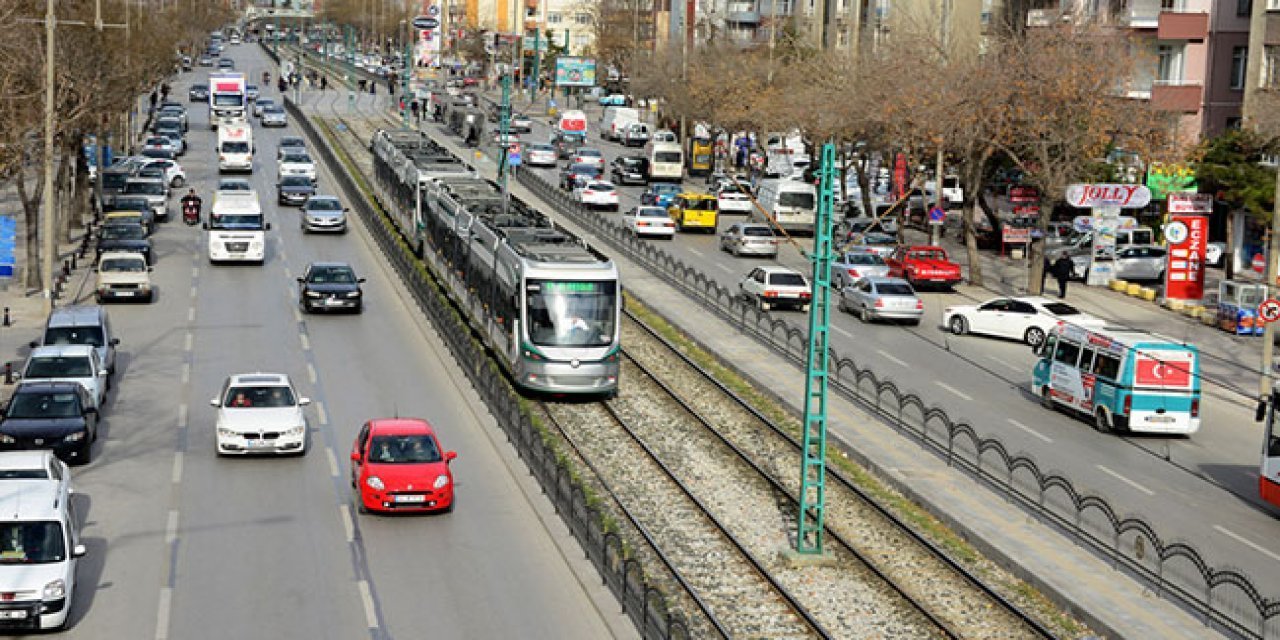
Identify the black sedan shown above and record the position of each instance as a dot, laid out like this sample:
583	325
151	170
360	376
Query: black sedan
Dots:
198	93
294	190
50	415
574	171
124	237
629	170
330	286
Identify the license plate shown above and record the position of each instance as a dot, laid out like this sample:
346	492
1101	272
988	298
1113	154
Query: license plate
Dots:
1161	419
16	614
411	498
124	294
333	302
256	444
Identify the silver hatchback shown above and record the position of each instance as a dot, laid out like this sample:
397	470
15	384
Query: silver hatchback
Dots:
747	238
880	298
1140	263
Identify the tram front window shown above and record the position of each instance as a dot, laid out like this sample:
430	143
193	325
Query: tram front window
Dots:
571	314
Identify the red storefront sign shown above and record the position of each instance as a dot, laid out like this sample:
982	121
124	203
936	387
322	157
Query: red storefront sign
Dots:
1188	239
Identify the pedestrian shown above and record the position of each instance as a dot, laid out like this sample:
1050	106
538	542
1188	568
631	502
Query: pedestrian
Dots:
373	88
417	113
1062	268
324	83
360	83
1044	273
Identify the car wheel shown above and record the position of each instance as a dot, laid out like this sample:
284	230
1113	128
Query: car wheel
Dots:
1034	336
864	314
1046	399
98	297
1101	421
959	326
86	450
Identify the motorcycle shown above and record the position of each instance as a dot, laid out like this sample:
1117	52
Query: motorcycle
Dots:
191	213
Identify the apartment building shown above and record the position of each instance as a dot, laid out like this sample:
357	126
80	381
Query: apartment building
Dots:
1263	69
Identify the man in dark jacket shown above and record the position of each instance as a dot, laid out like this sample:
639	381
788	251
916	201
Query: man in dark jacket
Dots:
1062	268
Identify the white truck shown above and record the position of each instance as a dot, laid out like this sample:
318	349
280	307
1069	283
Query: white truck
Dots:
237	228
228	98
235	147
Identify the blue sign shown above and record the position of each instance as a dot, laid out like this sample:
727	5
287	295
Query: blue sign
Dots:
937	215
8	242
513	158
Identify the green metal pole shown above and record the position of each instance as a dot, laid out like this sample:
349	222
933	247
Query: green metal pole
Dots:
275	32
504	124
813	465
537	60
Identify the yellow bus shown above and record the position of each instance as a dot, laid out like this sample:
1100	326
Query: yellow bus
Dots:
695	211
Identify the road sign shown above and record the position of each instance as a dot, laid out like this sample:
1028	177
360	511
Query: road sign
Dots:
433	10
425	22
1269	310
937	215
1259	262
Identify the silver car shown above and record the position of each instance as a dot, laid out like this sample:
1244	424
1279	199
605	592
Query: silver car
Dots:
274	116
1140	263
324	213
881	244
881	298
851	266
747	238
155	190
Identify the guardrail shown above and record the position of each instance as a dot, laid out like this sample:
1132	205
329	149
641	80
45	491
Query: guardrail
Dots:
645	604
1225	598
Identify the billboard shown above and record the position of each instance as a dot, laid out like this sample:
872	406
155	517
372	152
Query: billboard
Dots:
575	72
1188	239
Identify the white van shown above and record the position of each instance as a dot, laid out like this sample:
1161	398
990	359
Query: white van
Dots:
237	228
792	204
615	120
235	147
39	543
666	162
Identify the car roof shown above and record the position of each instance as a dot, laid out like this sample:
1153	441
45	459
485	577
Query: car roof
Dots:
120	255
778	269
47	386
885	280
259	378
31	499
76	316
330	265
31	459
399	426
62	350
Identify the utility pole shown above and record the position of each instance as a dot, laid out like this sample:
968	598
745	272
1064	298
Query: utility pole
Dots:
504	125
686	44
773	36
1269	333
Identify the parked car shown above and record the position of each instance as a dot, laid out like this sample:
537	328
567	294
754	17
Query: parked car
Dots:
749	238
168	170
851	266
259	413
155	190
775	287
647	221
923	264
160	143
174	111
206	61
882	298
1028	319
629	170
50	415
1140	263
124	237
397	464
123	276
330	286
77	363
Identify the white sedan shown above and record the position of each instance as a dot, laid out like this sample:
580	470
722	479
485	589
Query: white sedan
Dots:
1028	319
730	200
596	194
649	221
260	413
297	164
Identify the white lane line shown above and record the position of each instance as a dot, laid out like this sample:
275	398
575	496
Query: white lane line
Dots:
306	342
324	417
367	598
186	372
1030	430
171	529
1125	480
193	291
841	331
195	272
890	357
695	252
297	315
348	526
311	372
177	467
182	416
288	275
1246	542
188	341
1006	363
333	461
724	268
162	614
191	315
954	390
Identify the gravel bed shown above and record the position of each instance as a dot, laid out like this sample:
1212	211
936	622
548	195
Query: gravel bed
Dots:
743	601
967	610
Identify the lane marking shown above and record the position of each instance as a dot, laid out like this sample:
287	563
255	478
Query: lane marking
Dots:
954	390
1246	542
188	342
177	467
348	526
1005	363
1125	480
195	272
306	342
288	275
162	614
182	416
171	529
841	331
311	372
191	315
890	357
186	372
297	315
367	597
333	461
1030	430
695	252
193	291
320	413
724	268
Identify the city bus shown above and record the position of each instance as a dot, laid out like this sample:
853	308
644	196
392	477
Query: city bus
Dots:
1269	469
1124	381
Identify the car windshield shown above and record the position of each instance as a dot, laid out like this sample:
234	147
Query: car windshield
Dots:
928	254
651	212
265	102
878	238
58	367
129	204
292	142
246	221
571	314
36	405
590	153
406	449
273	109
584	169
235	147
701	204
32	542
296	158
894	289
787	279
114	180
542	147
123	232
295	181
323	204
151	172
91	336
227	100
800	200
331	275
198	88
146	188
234	185
666	156
1061	309
600	186
122	265
267	397
863	258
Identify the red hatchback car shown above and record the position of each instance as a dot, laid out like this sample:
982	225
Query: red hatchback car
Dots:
397	464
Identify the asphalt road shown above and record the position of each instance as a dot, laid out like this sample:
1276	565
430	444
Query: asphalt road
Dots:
183	544
1200	488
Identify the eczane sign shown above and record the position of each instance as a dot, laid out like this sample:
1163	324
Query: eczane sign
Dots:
1124	196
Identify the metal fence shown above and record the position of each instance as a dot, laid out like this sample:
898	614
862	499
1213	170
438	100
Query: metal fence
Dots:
1225	598
640	599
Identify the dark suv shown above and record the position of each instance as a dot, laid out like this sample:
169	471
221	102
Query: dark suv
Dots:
50	415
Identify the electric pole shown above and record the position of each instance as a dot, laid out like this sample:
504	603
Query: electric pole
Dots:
1273	262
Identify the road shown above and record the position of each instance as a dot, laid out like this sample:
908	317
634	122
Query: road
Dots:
1200	488
183	544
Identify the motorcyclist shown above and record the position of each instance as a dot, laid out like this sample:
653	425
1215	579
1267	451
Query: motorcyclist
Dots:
191	203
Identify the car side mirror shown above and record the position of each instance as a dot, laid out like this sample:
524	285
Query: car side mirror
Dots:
102	373
114	342
355	457
78	551
346	209
360	280
33	344
204	225
300	279
150	269
450	456
304	401
267	227
1260	412
213	402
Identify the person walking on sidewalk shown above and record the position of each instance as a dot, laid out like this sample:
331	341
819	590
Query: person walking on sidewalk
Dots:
1062	269
324	83
417	111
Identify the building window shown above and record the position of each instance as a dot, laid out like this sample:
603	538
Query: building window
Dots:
1273	5
1169	64
582	18
1270	78
1171	5
1244	7
1233	123
1239	58
554	18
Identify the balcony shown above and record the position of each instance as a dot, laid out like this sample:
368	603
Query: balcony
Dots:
1140	14
1173	25
1182	98
742	13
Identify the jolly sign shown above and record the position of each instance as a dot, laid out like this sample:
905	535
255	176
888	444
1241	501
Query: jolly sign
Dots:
1124	196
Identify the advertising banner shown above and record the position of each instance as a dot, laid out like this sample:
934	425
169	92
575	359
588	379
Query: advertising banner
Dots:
575	72
1187	202
1188	239
1124	196
1105	221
